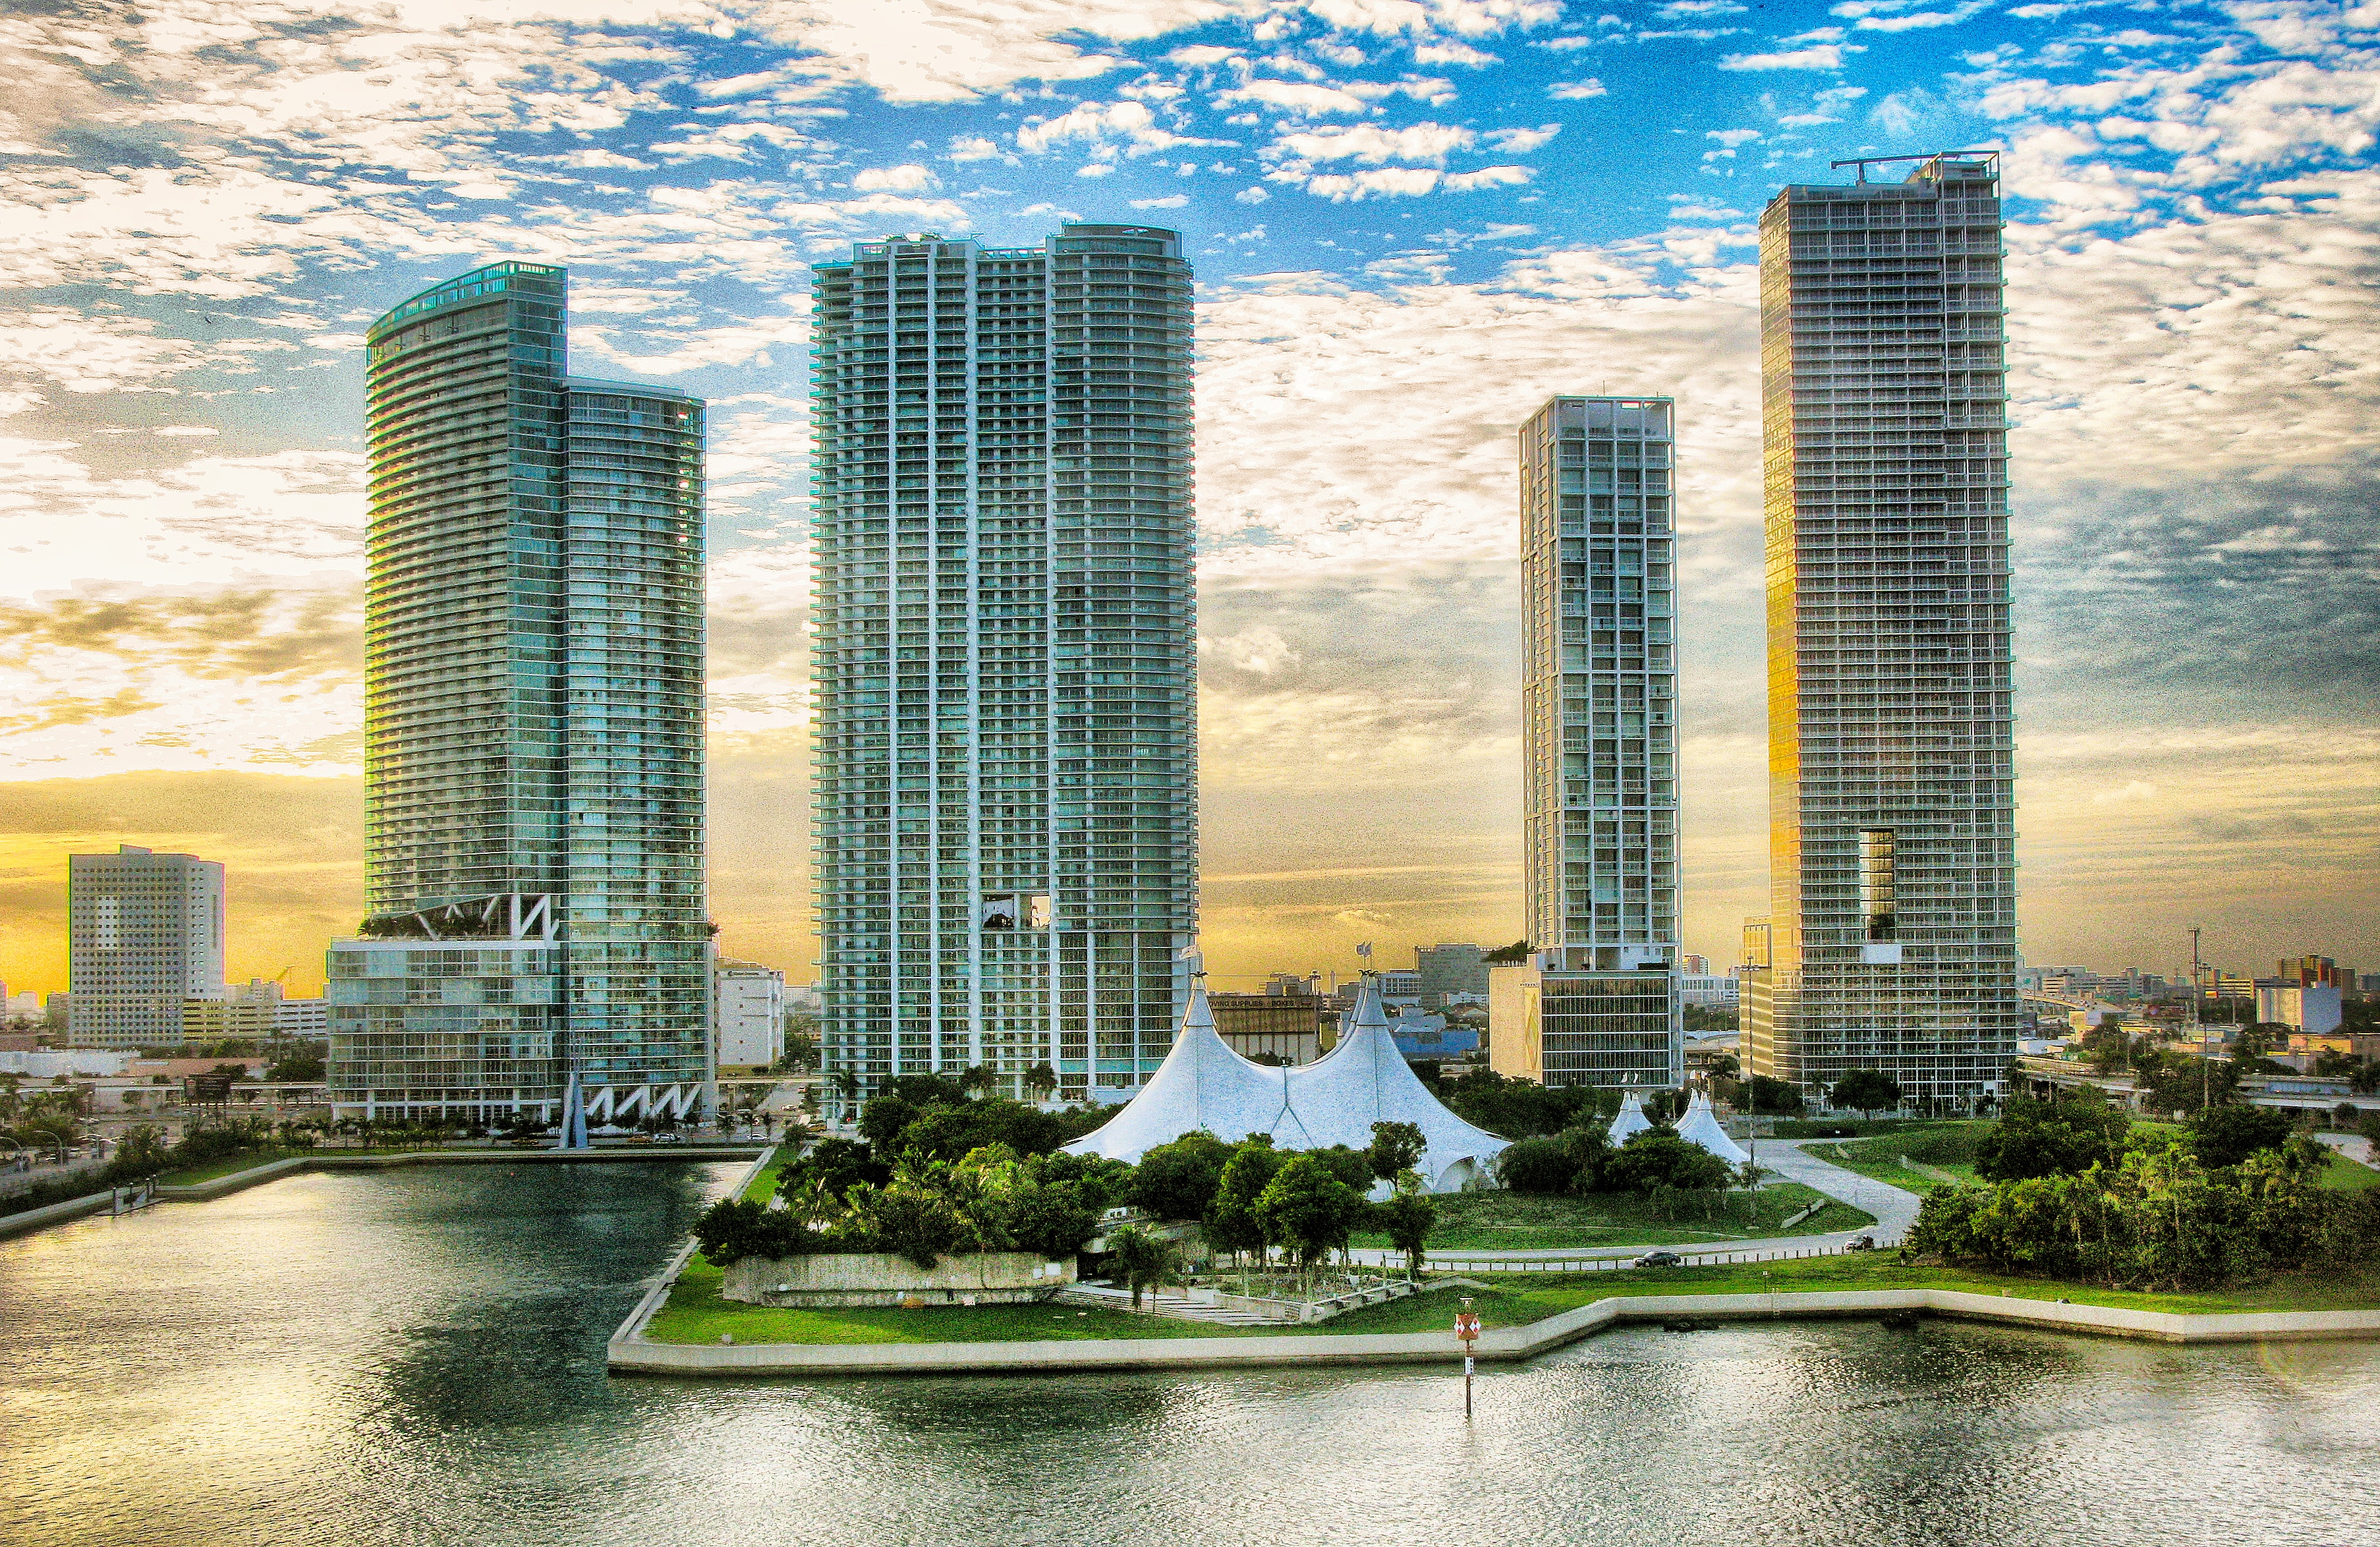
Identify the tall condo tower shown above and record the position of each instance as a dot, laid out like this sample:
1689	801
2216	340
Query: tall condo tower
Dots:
1006	761
1891	941
144	932
533	723
1598	1002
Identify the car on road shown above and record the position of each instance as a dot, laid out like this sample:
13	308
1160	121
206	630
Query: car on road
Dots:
1658	1259
1860	1243
668	1138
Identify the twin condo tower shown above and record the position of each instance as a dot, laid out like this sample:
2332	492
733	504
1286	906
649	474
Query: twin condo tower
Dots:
1004	779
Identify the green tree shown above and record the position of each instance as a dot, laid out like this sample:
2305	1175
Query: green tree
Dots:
1233	1221
1308	1212
1657	1164
1396	1149
1042	1080
2228	1135
1178	1180
1507	956
304	1067
1773	1098
2051	1138
1865	1090
1589	1147
1407	1216
1144	1259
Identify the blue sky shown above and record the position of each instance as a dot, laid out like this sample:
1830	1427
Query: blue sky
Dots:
1413	219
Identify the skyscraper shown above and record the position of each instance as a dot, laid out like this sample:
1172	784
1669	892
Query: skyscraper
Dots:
1598	1002
1007	813
533	724
144	932
1890	941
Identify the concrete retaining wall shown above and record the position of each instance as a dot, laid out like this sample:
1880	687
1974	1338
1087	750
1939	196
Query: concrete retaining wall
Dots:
834	1279
26	1220
631	1354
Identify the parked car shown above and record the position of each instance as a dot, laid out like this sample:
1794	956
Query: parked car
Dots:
1660	1260
1860	1243
668	1138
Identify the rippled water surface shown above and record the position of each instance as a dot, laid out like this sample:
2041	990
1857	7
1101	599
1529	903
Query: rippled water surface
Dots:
417	1359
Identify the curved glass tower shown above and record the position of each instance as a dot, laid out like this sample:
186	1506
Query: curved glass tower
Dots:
1006	764
533	724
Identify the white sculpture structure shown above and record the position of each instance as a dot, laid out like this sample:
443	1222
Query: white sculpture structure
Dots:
1334	1100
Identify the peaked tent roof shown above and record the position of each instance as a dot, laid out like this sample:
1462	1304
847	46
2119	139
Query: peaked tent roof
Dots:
1700	1126
1632	1119
1334	1100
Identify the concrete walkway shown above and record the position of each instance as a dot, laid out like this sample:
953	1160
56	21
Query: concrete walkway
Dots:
2354	1146
1894	1210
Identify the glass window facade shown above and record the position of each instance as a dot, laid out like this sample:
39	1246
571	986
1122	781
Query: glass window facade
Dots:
1891	934
1598	568
534	715
1006	813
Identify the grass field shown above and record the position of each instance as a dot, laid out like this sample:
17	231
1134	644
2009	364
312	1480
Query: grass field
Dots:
1496	1221
2349	1176
1947	1148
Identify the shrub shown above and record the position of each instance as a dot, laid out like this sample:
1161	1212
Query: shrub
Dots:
1540	1165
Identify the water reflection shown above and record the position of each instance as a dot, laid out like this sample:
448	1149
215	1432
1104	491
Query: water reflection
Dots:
417	1359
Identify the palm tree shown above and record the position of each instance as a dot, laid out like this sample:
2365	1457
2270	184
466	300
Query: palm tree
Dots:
1145	1260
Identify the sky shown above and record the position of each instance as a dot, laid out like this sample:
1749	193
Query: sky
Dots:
1413	221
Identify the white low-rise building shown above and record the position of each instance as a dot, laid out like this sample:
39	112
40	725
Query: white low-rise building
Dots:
747	1014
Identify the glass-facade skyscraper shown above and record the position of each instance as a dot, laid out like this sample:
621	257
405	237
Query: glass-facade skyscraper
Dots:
1006	818
1597	1003
1890	941
533	724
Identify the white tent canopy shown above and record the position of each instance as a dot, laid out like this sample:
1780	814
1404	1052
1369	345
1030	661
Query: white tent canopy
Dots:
1631	1120
1700	1126
1334	1100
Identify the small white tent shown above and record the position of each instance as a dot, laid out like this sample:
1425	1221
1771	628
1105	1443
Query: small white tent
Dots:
1700	1126
1334	1100
1630	1121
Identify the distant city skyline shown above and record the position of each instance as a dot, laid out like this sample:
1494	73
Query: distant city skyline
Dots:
1409	233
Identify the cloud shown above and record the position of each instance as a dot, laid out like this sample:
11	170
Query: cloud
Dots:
1574	91
1171	201
896	179
1373	143
1819	56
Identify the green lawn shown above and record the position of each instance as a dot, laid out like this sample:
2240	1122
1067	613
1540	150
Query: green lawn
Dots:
1944	1147
1498	1221
2349	1175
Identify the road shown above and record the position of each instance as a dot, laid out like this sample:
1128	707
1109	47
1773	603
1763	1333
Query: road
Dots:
1894	1210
